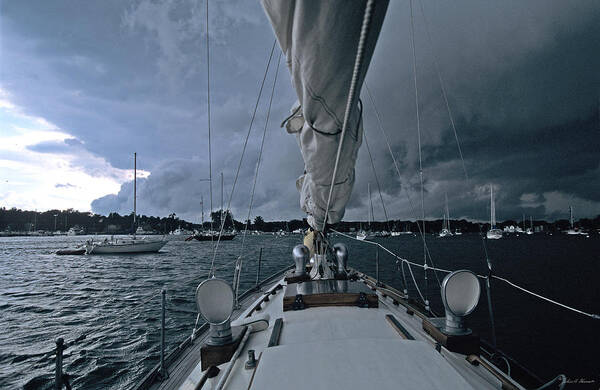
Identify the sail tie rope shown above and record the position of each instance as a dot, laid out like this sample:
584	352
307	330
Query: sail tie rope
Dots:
358	62
591	315
237	173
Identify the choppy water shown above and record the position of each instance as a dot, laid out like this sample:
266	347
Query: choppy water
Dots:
115	301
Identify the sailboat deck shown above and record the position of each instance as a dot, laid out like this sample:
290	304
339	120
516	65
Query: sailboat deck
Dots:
347	347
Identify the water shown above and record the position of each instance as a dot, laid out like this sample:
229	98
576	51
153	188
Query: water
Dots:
115	300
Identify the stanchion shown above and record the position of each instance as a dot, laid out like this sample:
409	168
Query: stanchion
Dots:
60	343
163	370
258	269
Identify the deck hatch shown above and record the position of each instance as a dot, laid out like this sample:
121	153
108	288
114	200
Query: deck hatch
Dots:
275	333
398	327
319	293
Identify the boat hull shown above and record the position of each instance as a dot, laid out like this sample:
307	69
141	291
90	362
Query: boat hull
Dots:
494	234
445	233
209	237
125	247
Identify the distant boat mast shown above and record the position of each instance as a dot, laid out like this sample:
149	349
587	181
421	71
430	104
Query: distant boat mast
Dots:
371	216
134	189
571	216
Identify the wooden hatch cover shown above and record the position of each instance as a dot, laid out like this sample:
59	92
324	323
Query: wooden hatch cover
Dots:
319	293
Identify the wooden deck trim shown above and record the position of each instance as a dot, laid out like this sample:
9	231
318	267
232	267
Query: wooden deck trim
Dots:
476	360
396	295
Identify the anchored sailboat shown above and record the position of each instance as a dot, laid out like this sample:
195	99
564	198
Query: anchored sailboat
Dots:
211	235
131	244
573	231
529	230
446	232
493	233
362	234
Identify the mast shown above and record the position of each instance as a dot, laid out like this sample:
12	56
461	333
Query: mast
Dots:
492	208
447	214
222	211
371	209
571	216
531	222
208	111
134	189
202	207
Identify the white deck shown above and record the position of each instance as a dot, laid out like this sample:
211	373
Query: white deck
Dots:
347	348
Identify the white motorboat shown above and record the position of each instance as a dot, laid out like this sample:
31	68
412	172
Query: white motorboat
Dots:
75	231
361	235
406	231
181	232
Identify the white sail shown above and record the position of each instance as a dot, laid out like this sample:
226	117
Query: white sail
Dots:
319	40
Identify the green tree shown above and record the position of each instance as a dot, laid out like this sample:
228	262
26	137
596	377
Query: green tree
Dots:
259	223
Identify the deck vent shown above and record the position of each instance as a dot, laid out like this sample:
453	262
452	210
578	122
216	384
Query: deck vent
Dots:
301	255
460	295
214	298
341	254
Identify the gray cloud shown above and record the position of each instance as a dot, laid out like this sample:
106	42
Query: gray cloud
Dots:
521	78
67	145
65	185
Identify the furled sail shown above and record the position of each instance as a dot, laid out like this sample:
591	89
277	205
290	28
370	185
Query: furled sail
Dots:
320	39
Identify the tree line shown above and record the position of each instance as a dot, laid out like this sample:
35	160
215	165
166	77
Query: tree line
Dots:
16	220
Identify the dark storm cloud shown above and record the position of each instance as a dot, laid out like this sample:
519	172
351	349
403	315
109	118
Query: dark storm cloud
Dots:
521	79
526	109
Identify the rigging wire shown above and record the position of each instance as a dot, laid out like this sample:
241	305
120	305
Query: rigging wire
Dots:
358	62
412	37
443	90
387	220
237	173
514	285
238	270
208	109
467	184
450	116
410	202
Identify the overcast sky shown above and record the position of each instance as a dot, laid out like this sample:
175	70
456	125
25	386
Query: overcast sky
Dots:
85	84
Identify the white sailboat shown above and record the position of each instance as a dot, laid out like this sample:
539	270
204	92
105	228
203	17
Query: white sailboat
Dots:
493	233
573	231
131	244
446	232
529	230
363	235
